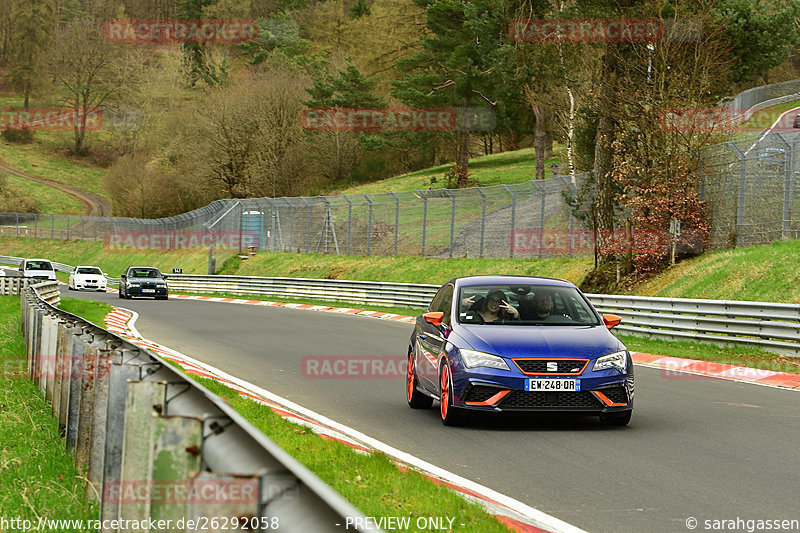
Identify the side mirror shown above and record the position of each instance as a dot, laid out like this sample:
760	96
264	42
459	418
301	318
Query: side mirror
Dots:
122	276
164	276
611	320
434	317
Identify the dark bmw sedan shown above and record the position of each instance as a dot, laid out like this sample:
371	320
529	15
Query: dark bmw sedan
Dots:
143	281
518	344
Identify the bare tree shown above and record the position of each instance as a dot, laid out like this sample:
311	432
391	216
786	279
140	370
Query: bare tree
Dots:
82	62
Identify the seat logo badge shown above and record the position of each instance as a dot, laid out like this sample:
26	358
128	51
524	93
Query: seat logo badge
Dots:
552	366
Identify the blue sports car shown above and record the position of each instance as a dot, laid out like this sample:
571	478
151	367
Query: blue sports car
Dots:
517	343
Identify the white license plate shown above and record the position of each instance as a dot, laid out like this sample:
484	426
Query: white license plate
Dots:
148	290
553	385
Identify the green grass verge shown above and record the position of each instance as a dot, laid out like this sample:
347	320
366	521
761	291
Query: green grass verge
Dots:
94	312
46	156
504	168
111	260
406	269
372	483
50	199
766	273
38	477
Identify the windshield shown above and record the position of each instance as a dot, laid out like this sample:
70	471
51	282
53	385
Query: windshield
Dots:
523	305
38	265
89	270
144	273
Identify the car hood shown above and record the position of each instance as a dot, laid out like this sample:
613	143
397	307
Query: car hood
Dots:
541	341
89	276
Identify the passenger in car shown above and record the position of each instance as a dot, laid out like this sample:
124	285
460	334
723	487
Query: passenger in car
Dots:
494	308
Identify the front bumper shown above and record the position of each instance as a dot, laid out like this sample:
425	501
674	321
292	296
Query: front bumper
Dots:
483	390
149	292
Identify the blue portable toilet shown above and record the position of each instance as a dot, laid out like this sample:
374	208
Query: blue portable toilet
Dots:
253	229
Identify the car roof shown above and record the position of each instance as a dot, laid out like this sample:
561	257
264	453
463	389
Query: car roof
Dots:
87	266
502	279
37	259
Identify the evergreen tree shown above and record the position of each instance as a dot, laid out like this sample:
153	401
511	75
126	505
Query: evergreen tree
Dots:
33	24
458	64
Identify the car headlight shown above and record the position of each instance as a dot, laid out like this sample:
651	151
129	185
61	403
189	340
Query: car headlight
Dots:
474	359
133	284
161	285
618	360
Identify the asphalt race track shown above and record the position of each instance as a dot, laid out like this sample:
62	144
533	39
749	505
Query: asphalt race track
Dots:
696	447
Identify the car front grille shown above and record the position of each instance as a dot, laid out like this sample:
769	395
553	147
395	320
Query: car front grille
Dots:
518	399
480	393
539	366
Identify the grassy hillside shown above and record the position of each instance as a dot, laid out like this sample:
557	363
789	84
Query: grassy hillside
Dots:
758	273
495	169
47	156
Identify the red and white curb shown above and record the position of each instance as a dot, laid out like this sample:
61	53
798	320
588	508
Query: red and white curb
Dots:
309	307
516	515
675	367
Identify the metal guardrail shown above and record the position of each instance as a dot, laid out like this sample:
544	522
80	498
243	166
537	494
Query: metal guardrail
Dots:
360	292
769	326
157	445
12	286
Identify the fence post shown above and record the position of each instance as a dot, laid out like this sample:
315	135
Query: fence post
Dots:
349	220
483	218
35	225
369	224
52	226
452	217
513	216
740	198
788	166
308	223
17	215
396	219
424	217
68	228
541	219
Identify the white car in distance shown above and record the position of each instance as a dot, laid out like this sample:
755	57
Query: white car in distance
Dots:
38	269
87	278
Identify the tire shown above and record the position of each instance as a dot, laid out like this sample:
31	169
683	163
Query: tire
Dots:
616	419
416	400
450	415
121	296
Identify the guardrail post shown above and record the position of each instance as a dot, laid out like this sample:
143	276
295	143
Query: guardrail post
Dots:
144	401
121	373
